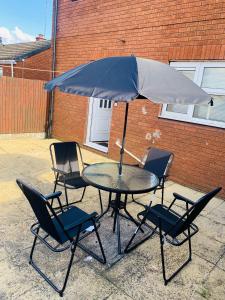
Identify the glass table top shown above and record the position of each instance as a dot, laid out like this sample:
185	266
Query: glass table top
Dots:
133	180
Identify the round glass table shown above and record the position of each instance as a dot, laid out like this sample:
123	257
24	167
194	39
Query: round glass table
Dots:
133	180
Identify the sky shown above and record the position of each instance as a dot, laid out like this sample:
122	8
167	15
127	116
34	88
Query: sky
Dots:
23	20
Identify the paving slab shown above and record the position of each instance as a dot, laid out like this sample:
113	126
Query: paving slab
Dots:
213	286
141	278
137	275
221	260
213	229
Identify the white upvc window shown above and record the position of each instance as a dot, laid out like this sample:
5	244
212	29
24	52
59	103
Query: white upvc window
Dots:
1	71
210	76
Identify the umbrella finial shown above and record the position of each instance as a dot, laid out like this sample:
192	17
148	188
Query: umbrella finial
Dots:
211	102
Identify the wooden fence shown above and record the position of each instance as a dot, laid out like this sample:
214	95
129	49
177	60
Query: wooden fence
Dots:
23	106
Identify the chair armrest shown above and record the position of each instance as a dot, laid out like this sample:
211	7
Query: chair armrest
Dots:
53	195
80	221
182	198
59	171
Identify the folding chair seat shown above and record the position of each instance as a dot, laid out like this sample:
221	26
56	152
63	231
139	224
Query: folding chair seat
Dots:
65	229
168	218
171	226
65	158
67	218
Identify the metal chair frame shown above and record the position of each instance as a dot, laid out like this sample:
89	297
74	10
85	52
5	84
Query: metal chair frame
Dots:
183	226
72	243
62	177
162	178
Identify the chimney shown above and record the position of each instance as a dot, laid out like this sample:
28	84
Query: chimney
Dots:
40	37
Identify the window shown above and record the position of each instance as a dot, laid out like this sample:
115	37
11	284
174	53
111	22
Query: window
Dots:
211	77
1	71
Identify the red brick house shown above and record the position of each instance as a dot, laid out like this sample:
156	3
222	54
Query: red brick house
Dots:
31	60
189	35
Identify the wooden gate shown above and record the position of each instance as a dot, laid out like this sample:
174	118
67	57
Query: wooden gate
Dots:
23	106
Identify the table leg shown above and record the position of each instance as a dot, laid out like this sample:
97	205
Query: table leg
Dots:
107	209
114	220
118	234
117	221
129	215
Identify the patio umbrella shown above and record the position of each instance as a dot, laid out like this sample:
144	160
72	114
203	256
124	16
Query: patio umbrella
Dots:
125	78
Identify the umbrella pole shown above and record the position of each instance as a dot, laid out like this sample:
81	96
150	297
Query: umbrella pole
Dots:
123	140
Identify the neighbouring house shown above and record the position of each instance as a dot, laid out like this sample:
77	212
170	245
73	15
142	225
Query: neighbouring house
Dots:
189	35
31	60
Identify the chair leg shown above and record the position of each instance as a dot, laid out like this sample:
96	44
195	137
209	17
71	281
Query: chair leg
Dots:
82	196
162	187
55	185
162	256
66	195
166	280
139	203
100	259
67	200
73	248
189	245
100	243
33	246
60	204
128	248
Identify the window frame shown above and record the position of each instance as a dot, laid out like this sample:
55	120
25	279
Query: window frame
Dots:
199	69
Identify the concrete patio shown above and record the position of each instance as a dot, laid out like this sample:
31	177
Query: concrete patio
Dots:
134	276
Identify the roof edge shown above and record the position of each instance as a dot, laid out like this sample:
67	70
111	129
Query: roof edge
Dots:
32	53
7	61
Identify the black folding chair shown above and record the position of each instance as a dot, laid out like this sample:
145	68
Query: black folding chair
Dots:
65	164
172	227
158	161
66	228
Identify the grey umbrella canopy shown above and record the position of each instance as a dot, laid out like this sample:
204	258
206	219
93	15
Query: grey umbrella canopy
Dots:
128	77
125	78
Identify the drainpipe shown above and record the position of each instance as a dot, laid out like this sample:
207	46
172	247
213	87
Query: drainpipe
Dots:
51	106
12	69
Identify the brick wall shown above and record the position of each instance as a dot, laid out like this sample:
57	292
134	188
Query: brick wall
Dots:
41	61
162	30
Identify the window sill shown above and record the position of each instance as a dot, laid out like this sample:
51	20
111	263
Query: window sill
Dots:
97	147
195	121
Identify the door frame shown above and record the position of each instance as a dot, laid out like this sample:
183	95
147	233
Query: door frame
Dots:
90	115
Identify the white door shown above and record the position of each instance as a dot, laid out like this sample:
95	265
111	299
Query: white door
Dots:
100	120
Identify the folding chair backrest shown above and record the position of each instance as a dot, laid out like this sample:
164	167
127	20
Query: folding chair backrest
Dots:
158	161
195	210
38	204
65	156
